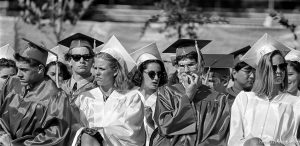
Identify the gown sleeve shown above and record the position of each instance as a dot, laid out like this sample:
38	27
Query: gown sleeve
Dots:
56	124
174	113
237	137
128	130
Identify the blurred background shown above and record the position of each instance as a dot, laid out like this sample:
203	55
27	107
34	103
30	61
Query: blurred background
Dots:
231	24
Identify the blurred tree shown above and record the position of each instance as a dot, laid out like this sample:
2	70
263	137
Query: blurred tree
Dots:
182	17
53	13
284	22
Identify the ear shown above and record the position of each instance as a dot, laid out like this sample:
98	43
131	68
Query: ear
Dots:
234	72
41	69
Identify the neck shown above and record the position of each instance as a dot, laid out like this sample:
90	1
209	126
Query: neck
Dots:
276	91
106	88
237	86
78	77
146	91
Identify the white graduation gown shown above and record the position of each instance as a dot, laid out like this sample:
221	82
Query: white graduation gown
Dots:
276	120
118	119
150	102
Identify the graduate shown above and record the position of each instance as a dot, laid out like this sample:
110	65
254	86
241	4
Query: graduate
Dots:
242	74
217	68
149	75
112	108
33	111
189	113
268	114
293	68
80	58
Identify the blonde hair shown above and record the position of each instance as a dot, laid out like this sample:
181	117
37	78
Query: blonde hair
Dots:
264	78
121	80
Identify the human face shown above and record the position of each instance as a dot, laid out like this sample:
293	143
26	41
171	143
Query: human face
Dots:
293	79
27	74
151	76
6	72
187	67
52	73
279	74
219	82
81	66
244	77
104	74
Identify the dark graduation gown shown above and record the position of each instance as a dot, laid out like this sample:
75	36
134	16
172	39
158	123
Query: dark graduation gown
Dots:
40	116
202	122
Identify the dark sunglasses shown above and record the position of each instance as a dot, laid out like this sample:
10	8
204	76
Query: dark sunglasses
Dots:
281	66
152	74
85	57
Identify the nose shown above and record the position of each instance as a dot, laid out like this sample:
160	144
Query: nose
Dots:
19	74
186	68
81	60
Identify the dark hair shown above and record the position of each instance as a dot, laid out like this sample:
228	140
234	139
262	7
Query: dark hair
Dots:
6	63
137	74
63	68
30	61
295	65
239	66
69	54
191	55
264	81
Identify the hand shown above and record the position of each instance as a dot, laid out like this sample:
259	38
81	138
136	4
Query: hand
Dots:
148	115
5	140
87	140
191	83
255	141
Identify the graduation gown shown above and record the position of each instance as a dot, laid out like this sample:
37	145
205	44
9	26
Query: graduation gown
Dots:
202	122
119	119
83	85
150	102
276	120
35	116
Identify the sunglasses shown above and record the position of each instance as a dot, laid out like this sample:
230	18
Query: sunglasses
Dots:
85	57
152	74
281	66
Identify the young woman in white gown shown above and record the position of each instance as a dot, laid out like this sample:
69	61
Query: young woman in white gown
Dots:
113	109
268	115
149	75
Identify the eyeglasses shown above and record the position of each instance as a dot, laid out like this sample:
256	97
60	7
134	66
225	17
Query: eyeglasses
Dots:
182	67
248	71
281	66
152	74
85	57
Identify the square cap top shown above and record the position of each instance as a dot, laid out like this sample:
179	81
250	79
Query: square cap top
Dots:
293	55
241	51
264	45
80	40
218	60
114	48
7	52
148	52
35	51
185	46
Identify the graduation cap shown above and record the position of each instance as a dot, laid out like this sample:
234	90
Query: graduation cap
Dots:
59	52
241	51
264	45
149	52
293	55
7	52
185	46
218	63
238	54
114	47
35	51
80	40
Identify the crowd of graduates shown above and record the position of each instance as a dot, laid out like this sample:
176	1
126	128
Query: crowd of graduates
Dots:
101	95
